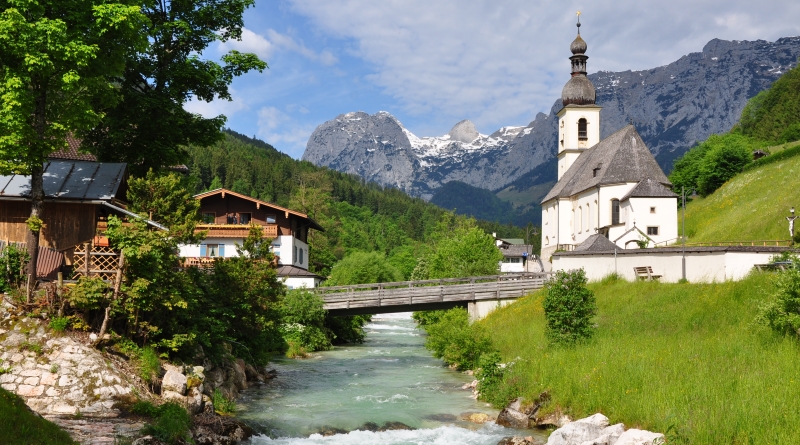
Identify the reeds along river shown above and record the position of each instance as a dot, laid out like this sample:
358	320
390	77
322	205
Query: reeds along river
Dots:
391	377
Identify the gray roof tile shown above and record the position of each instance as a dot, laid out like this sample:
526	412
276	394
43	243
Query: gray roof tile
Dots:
70	180
619	158
649	188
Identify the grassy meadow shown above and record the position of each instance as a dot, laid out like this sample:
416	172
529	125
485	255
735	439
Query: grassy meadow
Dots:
20	426
751	206
682	359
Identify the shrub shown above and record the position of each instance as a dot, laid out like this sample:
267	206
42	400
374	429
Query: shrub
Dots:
144	408
171	425
303	319
222	404
424	318
12	261
59	324
149	364
782	314
494	386
456	341
568	308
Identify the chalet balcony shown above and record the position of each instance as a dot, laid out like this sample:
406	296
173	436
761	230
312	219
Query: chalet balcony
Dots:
235	230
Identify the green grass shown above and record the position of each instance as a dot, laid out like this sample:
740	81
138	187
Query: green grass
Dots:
20	426
751	206
677	358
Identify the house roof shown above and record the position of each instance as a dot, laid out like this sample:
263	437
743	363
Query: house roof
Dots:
516	250
294	271
595	243
69	180
71	153
649	188
313	224
620	158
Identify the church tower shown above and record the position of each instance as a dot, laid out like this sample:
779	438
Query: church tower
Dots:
579	119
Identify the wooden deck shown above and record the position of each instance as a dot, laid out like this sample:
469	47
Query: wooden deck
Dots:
426	295
235	230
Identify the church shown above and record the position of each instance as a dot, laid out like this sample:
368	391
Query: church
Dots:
612	189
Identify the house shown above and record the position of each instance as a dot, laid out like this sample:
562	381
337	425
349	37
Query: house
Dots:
613	187
518	257
227	217
79	197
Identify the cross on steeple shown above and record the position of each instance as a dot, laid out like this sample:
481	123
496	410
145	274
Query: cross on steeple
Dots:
579	22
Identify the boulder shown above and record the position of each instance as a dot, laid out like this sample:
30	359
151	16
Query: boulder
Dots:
608	436
239	374
174	381
209	429
476	417
518	440
194	400
511	418
252	374
172	396
579	431
640	437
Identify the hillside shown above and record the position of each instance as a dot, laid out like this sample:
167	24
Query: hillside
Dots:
465	199
751	206
388	220
682	359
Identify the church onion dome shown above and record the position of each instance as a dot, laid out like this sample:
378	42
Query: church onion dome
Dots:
578	45
578	91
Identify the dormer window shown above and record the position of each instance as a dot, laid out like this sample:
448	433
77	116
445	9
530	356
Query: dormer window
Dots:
582	135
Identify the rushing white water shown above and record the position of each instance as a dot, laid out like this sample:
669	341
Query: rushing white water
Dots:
388	378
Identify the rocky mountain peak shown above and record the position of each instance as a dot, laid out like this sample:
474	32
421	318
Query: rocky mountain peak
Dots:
464	131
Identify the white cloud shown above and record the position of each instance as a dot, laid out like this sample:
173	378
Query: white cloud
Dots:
287	43
265	47
494	61
250	43
282	131
217	106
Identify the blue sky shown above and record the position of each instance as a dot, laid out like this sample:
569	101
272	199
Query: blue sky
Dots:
433	63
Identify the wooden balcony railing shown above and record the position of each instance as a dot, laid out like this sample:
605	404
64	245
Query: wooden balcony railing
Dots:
235	230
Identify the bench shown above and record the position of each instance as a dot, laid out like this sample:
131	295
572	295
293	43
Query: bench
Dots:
645	273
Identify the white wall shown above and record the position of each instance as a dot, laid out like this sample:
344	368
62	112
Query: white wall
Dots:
700	266
300	282
288	248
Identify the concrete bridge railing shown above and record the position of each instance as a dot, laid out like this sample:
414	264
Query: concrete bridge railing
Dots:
479	294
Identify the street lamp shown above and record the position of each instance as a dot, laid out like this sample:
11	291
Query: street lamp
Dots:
683	257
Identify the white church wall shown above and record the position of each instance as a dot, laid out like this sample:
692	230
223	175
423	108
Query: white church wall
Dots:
661	213
714	266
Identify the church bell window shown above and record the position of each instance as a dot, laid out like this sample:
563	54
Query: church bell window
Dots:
582	135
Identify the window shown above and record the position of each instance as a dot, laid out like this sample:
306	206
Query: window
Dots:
295	253
652	210
582	135
270	219
212	250
512	260
209	218
652	230
300	259
614	211
244	218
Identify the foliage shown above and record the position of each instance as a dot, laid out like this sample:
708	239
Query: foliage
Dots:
495	385
782	313
568	308
89	293
774	114
21	426
59	324
166	198
150	127
424	318
171	424
774	157
144	408
363	267
713	162
222	404
149	364
665	354
12	263
459	248
303	321
456	341
479	203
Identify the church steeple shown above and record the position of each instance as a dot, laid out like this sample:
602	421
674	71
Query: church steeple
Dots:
579	90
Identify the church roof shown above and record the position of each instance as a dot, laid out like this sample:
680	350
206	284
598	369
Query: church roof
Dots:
649	188
620	158
595	243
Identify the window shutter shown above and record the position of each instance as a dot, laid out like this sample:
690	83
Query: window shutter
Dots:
221	250
203	250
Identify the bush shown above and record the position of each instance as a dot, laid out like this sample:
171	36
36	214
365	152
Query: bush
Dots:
568	308
494	384
59	324
713	162
222	404
363	267
424	318
171	425
456	341
303	321
782	314
12	262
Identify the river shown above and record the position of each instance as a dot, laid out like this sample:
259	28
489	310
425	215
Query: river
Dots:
391	377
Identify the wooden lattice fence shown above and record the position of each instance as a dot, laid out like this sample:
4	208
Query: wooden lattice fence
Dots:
95	261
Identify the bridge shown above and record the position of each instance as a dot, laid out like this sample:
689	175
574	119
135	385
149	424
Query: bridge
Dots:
479	294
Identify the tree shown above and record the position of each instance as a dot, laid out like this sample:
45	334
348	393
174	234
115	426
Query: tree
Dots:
568	308
56	59
461	249
150	127
782	314
167	199
362	268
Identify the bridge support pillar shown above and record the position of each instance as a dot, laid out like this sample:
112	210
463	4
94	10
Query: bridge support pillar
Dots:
480	309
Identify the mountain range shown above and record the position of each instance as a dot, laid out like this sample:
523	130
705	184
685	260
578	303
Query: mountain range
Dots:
672	106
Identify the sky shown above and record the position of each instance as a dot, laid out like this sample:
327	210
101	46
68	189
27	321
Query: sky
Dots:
432	63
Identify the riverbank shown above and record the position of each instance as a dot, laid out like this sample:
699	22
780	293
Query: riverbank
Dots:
684	359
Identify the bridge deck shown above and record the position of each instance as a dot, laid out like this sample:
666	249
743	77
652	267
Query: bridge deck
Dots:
426	295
